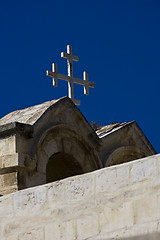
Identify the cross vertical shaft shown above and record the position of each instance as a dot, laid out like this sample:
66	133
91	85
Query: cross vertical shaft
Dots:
70	58
70	79
70	73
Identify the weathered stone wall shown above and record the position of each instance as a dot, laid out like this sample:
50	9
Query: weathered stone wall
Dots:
119	202
27	146
8	157
8	145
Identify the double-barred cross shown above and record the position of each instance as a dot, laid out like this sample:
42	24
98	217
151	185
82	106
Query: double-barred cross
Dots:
70	79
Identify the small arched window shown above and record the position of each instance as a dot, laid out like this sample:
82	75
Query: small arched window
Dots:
62	165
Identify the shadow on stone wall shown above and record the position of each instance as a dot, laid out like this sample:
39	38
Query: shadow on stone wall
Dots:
153	236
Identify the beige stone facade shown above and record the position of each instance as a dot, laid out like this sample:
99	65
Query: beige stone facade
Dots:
119	202
75	183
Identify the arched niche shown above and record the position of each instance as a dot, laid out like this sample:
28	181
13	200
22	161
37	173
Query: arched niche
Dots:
123	154
62	165
61	144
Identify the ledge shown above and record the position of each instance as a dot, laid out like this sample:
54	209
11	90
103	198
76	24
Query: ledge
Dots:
16	128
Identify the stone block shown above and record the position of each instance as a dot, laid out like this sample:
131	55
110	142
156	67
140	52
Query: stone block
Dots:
143	169
12	160
15	226
146	231
122	176
143	229
11	237
112	179
60	231
118	217
7	190
8	179
147	208
79	188
157	159
87	226
6	207
8	145
67	211
9	160
103	179
56	193
34	234
30	201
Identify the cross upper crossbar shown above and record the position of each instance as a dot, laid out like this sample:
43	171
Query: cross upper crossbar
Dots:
70	79
69	55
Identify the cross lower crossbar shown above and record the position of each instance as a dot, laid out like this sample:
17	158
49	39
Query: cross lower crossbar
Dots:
69	79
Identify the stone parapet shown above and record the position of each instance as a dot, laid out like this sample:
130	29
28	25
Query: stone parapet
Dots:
119	202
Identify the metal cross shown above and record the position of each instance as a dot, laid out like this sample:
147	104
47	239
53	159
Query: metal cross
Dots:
71	80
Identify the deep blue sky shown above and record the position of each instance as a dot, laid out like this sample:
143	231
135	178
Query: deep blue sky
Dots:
118	43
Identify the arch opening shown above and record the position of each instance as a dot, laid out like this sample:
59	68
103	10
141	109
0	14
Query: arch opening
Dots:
62	165
123	155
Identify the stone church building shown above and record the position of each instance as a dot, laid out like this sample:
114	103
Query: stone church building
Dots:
61	179
53	141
